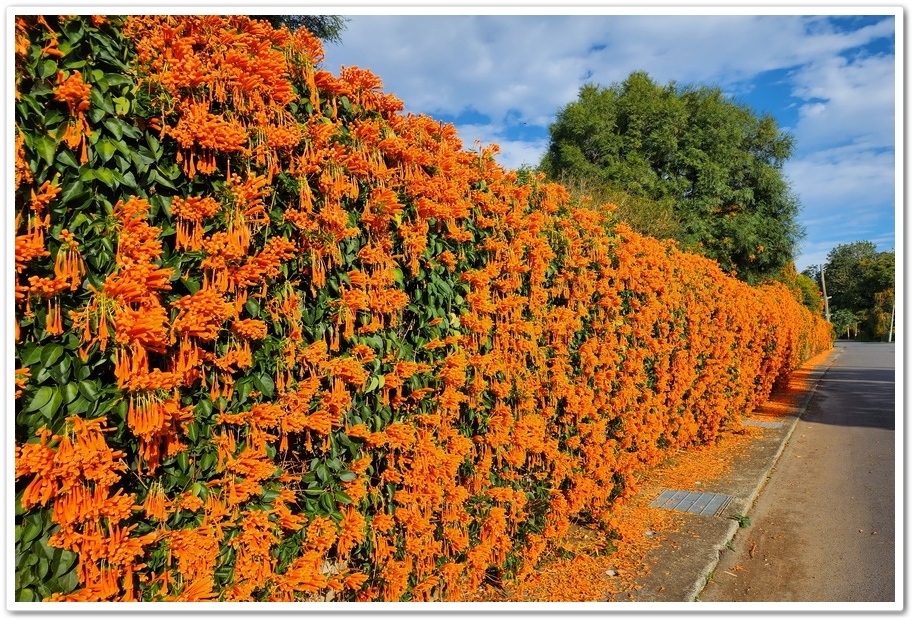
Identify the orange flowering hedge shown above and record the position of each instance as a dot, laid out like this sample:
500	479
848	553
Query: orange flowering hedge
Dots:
274	337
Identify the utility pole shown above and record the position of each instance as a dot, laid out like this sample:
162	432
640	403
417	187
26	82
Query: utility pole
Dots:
890	334
826	298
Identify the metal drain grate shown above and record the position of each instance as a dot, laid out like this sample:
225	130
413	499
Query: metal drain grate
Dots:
709	504
765	424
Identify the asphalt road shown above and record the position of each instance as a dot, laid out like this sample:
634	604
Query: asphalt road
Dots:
823	527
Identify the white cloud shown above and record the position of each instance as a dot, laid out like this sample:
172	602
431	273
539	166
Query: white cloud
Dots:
843	178
855	101
847	193
536	63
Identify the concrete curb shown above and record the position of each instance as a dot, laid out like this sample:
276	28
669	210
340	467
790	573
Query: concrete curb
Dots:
817	374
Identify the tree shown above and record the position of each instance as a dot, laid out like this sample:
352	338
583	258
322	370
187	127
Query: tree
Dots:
810	294
806	291
803	288
854	273
844	323
877	323
712	159
326	27
861	280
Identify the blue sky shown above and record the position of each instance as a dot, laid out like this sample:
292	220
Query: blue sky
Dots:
827	77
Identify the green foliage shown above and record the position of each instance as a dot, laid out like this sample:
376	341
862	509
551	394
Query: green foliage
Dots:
122	160
804	288
845	323
743	520
878	319
810	294
713	161
860	279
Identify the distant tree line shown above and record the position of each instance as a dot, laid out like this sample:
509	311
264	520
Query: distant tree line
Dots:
860	284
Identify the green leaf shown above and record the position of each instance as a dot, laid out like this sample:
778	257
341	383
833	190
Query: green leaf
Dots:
68	583
45	148
205	407
32	355
61	371
347	476
99	101
160	178
64	561
206	462
122	105
193	431
24	575
42	397
66	158
74	30
43	568
70	392
153	143
191	284
89	390
50	408
106	176
51	353
243	387
117	80
31	532
265	384
342	497
127	179
115	126
54	118
106	149
47	69
78	406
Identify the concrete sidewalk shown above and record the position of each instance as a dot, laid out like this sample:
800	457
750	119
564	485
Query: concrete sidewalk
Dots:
681	566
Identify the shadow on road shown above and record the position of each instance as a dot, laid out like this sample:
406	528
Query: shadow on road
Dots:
848	396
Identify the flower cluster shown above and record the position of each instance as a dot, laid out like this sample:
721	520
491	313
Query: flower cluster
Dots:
366	363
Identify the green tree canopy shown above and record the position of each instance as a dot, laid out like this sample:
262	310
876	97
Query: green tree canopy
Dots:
325	27
860	279
854	273
717	163
845	323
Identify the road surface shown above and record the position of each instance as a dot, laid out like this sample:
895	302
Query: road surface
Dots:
823	527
